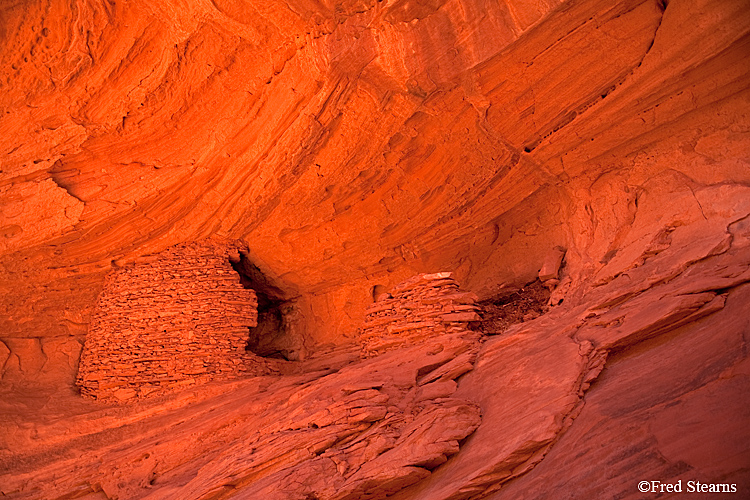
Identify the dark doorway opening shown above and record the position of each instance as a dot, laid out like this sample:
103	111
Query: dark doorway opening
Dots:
268	338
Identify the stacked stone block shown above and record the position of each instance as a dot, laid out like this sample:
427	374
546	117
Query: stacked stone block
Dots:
420	307
174	319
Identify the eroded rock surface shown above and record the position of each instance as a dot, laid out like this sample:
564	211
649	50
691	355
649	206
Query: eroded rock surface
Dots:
340	430
352	145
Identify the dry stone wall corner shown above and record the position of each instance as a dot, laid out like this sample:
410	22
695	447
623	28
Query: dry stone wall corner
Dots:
169	320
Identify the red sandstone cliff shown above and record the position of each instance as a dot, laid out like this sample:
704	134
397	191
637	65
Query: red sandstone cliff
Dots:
353	145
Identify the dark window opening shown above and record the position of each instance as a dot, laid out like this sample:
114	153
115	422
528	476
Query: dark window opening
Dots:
268	339
379	292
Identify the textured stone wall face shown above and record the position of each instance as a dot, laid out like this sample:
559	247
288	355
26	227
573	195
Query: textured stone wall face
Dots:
174	319
418	308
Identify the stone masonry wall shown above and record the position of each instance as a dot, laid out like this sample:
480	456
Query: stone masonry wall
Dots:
170	320
420	307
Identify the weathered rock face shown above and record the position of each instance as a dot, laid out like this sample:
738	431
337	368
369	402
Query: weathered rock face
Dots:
340	430
353	145
170	320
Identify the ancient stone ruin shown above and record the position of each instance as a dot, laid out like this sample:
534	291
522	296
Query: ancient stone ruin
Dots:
169	320
420	307
582	166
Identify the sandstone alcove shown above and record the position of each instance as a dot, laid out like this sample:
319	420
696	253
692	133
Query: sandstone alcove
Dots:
514	306
390	169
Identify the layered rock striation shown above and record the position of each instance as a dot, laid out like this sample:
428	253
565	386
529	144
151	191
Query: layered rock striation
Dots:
170	320
361	143
336	428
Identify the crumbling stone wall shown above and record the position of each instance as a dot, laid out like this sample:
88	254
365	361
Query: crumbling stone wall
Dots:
169	320
420	307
